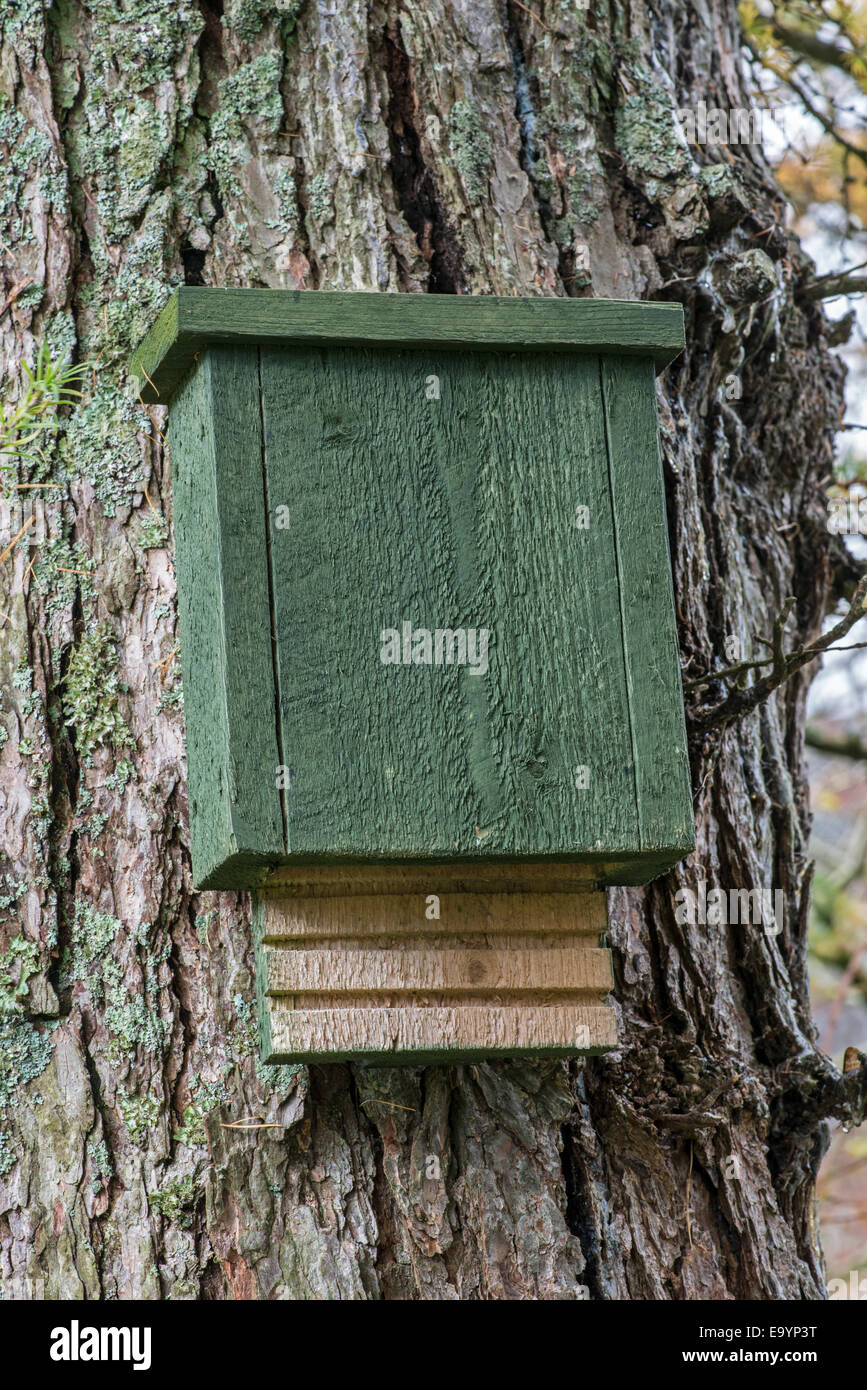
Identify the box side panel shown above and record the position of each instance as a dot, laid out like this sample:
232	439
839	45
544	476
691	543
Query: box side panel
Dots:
649	626
224	611
443	492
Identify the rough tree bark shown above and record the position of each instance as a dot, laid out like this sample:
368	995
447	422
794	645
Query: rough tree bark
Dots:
470	146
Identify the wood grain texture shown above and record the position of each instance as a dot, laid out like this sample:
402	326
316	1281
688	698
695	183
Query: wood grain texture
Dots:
407	1036
478	876
196	316
399	908
452	513
552	1178
220	541
374	978
429	970
658	728
333	498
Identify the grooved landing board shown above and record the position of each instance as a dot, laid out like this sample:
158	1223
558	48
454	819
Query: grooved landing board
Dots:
430	1035
376	979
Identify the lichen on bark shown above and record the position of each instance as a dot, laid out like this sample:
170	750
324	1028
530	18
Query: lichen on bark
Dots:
472	148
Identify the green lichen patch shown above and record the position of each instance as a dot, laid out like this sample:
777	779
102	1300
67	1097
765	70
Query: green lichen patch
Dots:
286	192
8	1157
718	179
141	39
645	133
321	203
245	1043
19	964
129	1021
23	25
135	294
205	1096
11	889
100	1162
92	936
471	148
153	531
203	924
140	1114
29	165
32	297
176	1200
118	779
25	1052
171	696
88	959
40	817
61	570
248	17
251	93
101	444
145	137
91	689
122	136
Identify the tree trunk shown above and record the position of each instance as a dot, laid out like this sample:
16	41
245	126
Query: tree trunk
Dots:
469	147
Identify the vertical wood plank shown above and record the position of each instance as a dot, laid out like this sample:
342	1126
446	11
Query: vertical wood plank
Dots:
223	605
647	600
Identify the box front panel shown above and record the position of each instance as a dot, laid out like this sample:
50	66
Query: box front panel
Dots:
446	610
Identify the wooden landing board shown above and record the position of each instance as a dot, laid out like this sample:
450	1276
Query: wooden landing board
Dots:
377	979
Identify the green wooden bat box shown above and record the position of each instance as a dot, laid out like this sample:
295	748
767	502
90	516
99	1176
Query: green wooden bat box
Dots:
426	610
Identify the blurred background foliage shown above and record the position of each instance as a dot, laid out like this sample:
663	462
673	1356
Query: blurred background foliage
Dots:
809	61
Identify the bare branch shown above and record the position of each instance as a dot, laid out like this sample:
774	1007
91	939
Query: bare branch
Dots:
743	700
840	745
830	286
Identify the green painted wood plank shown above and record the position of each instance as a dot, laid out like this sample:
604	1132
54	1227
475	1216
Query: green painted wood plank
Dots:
198	315
223	606
647	598
451	513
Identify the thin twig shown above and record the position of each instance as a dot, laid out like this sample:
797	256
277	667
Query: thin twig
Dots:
744	699
533	15
16	538
164	666
13	294
374	1100
252	1124
155	388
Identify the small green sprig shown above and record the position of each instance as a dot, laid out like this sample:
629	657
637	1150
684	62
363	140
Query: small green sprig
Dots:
48	385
